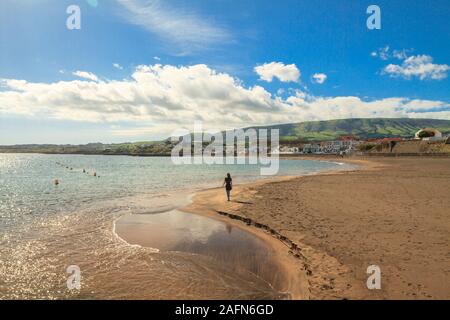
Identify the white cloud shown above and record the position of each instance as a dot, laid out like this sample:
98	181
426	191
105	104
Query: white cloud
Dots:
319	78
401	54
281	91
188	30
117	66
284	73
157	58
420	66
157	99
85	75
386	53
382	53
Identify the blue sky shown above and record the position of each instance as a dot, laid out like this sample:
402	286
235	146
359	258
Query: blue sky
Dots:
317	60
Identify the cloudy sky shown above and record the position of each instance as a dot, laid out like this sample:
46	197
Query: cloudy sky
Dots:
139	69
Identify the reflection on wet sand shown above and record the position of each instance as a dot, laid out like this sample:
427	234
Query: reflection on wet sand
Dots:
232	248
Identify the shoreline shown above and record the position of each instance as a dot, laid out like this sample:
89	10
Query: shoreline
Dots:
286	252
312	156
323	270
292	280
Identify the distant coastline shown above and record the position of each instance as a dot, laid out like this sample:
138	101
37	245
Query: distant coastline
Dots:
292	136
308	136
99	149
87	153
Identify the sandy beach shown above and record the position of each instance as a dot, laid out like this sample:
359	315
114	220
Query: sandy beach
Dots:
390	212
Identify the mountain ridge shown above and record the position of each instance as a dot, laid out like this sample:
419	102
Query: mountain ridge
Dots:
290	133
363	128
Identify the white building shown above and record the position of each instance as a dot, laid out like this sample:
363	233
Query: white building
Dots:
428	134
312	148
337	146
333	146
289	150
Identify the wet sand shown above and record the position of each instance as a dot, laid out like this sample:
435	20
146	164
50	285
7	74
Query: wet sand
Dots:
226	247
392	212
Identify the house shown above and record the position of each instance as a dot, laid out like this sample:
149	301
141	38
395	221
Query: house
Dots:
335	146
289	150
342	144
348	138
312	148
389	140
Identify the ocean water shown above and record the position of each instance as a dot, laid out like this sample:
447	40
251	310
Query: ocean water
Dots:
44	228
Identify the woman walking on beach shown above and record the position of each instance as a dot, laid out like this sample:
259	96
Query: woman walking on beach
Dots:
228	183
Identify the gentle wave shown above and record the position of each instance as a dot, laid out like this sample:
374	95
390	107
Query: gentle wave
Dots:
48	227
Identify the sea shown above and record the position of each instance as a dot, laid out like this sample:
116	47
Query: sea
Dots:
47	229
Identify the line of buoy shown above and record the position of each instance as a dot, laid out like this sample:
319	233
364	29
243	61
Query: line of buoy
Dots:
56	181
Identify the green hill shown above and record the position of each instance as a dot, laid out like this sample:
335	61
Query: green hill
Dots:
363	128
289	133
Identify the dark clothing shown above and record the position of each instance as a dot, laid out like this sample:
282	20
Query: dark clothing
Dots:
228	182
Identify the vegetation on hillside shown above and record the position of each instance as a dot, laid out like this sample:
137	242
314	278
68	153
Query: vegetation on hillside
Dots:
289	134
362	128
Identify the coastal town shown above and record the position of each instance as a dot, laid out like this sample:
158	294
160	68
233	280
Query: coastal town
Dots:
426	140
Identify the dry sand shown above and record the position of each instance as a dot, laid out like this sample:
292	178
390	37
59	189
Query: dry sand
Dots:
393	212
